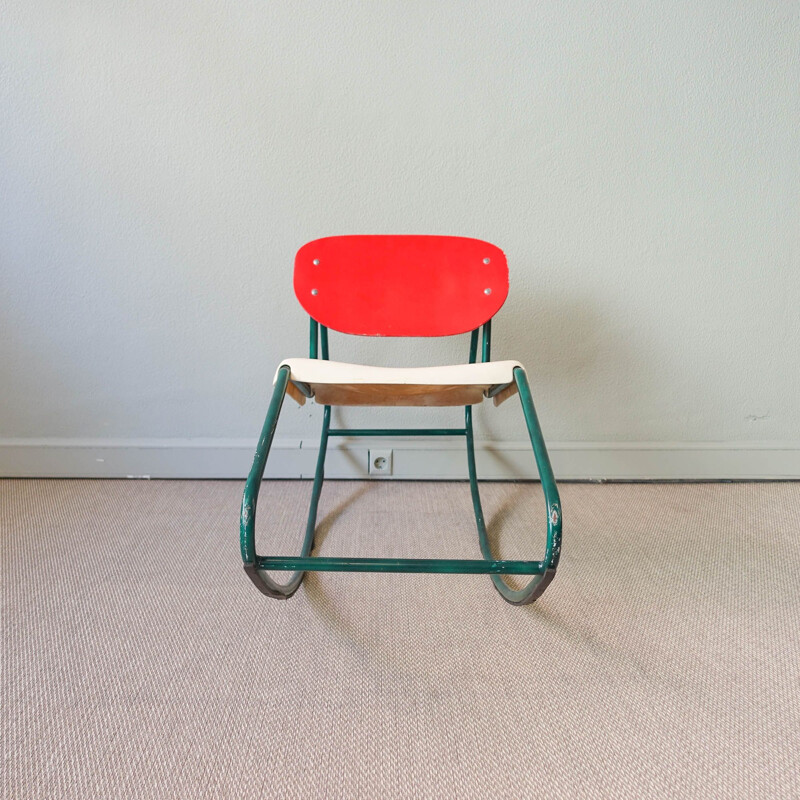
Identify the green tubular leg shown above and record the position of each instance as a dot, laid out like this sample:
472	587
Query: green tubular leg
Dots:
247	524
539	583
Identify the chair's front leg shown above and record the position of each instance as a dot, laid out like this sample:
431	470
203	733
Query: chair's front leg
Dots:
538	583
247	522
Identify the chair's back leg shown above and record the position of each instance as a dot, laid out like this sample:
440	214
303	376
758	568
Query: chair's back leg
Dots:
319	477
538	583
264	583
247	519
549	487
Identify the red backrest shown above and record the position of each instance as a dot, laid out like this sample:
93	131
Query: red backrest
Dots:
401	285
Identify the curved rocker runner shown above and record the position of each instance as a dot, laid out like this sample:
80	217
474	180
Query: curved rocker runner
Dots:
400	286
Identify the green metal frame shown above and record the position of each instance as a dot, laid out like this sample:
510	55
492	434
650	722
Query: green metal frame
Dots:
255	566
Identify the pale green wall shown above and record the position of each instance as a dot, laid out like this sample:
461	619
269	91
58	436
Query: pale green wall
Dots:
161	162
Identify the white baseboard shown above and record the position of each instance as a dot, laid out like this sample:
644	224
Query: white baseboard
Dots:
421	459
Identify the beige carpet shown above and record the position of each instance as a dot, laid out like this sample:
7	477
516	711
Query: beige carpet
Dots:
139	661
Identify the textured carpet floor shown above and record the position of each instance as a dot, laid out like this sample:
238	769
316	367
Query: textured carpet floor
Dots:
138	661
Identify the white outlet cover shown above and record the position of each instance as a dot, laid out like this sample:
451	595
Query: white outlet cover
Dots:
380	462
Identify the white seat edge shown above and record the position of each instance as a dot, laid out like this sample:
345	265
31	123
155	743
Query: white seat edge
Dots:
315	370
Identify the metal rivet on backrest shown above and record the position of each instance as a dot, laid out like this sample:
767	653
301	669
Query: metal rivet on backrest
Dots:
487	260
315	262
314	291
487	291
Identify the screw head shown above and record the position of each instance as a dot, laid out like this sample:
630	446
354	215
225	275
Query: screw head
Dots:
487	260
315	291
487	291
315	262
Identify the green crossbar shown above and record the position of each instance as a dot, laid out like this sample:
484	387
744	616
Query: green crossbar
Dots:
454	566
397	432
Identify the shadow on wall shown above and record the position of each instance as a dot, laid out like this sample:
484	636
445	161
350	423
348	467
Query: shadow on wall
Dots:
558	339
596	374
563	342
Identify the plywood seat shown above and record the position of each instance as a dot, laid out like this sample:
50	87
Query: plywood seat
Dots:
336	383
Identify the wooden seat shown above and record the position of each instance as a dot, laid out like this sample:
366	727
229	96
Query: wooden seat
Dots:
336	383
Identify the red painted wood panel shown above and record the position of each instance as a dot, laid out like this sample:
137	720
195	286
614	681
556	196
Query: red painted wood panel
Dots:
401	285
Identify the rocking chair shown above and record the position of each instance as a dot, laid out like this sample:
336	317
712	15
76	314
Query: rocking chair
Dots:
400	286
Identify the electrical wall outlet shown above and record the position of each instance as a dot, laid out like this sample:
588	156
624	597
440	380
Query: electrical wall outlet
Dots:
380	462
